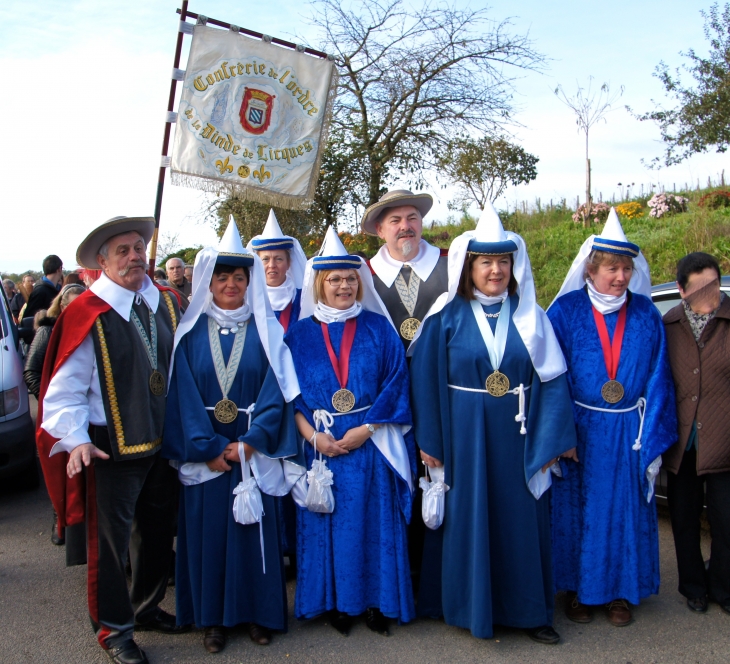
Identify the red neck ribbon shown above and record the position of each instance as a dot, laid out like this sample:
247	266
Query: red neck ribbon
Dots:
285	316
342	366
611	351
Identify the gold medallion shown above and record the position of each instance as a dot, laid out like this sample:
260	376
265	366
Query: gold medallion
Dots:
225	411
157	383
343	401
612	391
408	328
497	384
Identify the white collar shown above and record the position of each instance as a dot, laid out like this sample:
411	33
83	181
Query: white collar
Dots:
229	318
329	315
121	298
280	296
387	268
488	300
605	304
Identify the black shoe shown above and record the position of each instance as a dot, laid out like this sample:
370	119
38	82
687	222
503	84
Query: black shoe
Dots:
214	638
377	622
55	536
163	623
342	622
698	604
127	652
545	635
725	606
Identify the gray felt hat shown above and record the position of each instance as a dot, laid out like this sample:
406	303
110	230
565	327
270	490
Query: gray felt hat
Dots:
89	249
391	199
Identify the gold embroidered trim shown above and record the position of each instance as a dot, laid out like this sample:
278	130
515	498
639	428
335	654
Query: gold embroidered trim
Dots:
114	405
171	309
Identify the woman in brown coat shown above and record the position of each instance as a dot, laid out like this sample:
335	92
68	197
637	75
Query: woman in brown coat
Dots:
698	339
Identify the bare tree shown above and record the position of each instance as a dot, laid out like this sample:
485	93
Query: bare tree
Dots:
410	79
590	107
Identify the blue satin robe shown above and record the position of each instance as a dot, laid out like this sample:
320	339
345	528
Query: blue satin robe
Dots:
219	577
356	557
605	540
489	563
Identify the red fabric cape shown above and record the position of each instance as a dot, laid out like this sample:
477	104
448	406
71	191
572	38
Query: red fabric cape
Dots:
67	495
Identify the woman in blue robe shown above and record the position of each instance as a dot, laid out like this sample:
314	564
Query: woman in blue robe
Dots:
605	538
490	561
355	559
225	574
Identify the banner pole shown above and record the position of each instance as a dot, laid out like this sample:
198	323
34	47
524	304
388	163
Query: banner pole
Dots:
183	11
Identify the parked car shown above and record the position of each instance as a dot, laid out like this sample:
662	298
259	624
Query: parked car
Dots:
17	436
666	296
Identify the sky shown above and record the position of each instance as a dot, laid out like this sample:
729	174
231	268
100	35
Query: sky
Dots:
86	82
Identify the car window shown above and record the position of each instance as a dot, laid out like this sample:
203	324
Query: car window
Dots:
4	317
665	302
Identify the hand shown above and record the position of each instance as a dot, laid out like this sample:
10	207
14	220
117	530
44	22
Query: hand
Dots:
572	453
354	438
219	463
431	462
327	445
81	456
548	464
230	453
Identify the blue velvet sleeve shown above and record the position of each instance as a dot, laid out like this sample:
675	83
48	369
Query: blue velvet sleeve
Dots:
189	434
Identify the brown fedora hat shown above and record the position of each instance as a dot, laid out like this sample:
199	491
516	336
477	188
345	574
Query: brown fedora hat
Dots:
391	199
89	249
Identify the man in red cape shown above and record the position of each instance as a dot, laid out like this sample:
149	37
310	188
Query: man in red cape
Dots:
100	418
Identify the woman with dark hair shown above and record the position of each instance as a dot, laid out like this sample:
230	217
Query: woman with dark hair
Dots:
491	406
225	410
354	409
604	516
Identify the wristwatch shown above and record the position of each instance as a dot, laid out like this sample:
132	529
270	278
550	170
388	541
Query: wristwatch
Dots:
371	428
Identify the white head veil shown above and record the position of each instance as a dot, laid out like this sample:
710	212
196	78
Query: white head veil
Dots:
614	234
331	247
270	331
530	320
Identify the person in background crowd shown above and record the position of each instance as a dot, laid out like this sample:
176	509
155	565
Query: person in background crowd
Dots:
113	347
489	563
21	297
72	278
10	290
176	278
605	538
698	339
229	573
409	274
161	277
188	271
37	354
45	290
354	409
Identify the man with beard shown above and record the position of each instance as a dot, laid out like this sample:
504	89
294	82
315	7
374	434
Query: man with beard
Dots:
101	414
176	278
409	274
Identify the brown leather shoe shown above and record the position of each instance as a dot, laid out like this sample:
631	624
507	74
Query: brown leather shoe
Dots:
575	611
619	613
214	638
259	634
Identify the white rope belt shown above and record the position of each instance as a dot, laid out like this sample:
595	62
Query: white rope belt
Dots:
640	404
248	411
325	419
519	391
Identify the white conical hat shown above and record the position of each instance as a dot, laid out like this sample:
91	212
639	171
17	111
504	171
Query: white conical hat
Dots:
613	240
230	248
272	238
489	235
333	254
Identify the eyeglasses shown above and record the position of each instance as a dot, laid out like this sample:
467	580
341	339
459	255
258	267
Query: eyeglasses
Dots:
336	281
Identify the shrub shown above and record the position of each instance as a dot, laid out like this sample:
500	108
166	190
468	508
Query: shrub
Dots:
599	212
715	200
666	204
630	210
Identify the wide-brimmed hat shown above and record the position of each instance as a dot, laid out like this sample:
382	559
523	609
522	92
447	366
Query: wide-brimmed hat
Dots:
391	199
89	249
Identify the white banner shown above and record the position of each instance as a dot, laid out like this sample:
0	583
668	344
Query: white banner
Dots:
252	116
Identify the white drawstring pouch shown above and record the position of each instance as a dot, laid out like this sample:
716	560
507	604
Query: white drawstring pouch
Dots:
319	494
434	493
248	507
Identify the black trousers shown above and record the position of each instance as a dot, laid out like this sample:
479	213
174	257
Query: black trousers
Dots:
130	507
685	496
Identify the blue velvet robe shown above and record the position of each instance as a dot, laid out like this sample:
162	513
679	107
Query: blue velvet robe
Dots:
219	577
489	563
295	308
356	557
605	541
